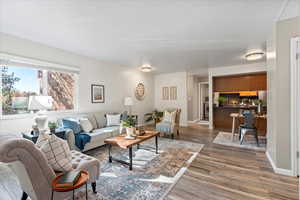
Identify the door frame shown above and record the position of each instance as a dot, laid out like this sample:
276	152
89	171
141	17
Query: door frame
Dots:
295	107
201	99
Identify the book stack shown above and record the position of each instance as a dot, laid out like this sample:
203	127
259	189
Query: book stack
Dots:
69	179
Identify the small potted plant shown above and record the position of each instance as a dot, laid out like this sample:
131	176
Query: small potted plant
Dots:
52	126
129	125
154	116
222	100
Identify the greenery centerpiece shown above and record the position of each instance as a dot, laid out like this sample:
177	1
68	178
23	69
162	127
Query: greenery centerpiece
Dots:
129	125
52	126
222	100
154	116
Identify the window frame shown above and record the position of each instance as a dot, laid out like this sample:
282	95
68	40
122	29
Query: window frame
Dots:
12	60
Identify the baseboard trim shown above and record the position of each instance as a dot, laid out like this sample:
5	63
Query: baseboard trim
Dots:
277	170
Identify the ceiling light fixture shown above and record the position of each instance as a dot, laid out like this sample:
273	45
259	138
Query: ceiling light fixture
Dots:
146	68
254	56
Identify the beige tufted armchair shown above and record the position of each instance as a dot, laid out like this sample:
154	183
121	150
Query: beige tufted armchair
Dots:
33	171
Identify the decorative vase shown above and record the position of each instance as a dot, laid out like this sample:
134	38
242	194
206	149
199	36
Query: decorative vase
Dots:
130	131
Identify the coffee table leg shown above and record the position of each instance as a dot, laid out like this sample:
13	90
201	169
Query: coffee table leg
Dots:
130	158
52	195
73	194
109	153
156	144
138	146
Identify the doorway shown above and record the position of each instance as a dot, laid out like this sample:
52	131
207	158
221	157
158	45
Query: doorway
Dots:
203	103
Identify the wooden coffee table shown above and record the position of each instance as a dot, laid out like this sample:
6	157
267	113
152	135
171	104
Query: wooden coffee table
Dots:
123	143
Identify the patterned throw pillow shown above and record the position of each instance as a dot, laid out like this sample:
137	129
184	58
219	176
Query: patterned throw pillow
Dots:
113	119
56	151
169	116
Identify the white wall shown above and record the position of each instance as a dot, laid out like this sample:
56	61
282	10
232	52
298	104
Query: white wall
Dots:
230	70
279	149
178	79
119	81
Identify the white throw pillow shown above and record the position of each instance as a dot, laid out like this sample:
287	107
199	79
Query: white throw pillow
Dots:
86	125
113	119
169	117
56	151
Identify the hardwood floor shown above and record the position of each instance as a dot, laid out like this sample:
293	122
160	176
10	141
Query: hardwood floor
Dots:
221	172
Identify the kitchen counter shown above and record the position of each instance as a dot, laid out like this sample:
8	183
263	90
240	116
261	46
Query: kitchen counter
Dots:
223	120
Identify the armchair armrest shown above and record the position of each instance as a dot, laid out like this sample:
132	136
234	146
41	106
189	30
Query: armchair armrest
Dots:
70	137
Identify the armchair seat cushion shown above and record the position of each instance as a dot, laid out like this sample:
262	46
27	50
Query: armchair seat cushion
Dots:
165	127
82	161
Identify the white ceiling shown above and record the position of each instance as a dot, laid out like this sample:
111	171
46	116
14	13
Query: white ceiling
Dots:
172	35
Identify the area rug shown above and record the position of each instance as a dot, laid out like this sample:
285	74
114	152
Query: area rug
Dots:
152	177
249	142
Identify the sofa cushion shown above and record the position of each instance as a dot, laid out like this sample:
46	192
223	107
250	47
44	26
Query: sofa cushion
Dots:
103	133
93	120
86	125
56	151
100	119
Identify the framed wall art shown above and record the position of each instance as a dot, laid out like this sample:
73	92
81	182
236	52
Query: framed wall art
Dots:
97	93
173	93
165	93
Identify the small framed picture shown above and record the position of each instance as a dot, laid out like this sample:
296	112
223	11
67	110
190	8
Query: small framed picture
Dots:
98	95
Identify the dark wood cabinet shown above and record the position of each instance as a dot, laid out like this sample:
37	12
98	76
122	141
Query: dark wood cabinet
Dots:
249	82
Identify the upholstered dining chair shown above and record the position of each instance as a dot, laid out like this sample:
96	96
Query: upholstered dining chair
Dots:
170	128
33	171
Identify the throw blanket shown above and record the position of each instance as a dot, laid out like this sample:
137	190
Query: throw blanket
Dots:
81	139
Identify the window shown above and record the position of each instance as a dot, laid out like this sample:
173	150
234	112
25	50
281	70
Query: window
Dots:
19	83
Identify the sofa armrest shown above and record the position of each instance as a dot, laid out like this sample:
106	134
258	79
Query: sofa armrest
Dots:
70	137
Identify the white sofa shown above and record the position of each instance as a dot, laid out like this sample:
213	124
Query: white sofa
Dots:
98	135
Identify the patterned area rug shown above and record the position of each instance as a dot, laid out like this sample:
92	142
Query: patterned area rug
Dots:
249	142
153	175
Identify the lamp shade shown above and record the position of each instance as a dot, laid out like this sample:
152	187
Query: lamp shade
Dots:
128	101
40	103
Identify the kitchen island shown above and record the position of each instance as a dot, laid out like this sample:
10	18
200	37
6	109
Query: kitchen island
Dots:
223	120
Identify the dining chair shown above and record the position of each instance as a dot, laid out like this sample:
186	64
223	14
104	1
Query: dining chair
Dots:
248	126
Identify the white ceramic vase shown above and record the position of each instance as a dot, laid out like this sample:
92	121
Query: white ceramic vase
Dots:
130	131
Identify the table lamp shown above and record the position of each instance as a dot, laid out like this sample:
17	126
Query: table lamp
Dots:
128	102
40	104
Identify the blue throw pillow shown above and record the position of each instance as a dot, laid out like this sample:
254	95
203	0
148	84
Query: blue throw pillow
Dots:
72	124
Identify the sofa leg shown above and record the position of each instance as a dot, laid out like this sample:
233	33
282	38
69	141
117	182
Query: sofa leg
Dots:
94	187
24	196
172	136
177	132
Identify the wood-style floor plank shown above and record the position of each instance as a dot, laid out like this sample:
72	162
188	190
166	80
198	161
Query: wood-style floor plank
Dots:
221	172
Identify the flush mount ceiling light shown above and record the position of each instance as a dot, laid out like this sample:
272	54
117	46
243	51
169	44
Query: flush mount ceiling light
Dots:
146	68
254	56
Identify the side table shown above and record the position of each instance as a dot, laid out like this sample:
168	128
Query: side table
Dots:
59	132
84	177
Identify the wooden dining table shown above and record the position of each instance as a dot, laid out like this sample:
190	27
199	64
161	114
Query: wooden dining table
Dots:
238	116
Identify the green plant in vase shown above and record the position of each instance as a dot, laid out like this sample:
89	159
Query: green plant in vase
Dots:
129	125
52	126
222	100
154	116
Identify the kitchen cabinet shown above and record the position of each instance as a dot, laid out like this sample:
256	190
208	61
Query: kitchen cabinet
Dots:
248	82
